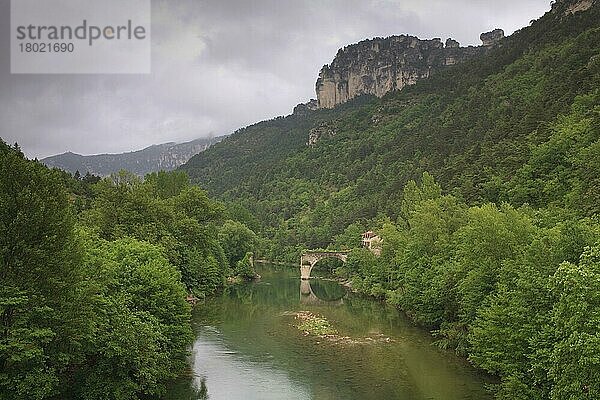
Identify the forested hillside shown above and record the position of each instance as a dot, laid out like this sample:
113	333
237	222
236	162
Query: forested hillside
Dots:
484	183
488	130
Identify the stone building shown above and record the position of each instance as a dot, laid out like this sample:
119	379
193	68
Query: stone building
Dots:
372	241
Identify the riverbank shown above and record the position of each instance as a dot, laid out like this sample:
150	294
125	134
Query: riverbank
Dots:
263	261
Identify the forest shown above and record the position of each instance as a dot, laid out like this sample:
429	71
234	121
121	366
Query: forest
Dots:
95	275
513	289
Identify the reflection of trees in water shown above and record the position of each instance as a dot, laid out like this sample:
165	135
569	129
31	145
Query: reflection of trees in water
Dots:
189	389
251	320
200	391
275	290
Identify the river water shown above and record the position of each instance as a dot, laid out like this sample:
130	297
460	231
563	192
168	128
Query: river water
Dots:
248	347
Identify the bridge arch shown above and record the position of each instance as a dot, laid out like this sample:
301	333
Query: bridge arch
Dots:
310	258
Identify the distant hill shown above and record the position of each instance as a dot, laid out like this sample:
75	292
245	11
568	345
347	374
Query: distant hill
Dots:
166	156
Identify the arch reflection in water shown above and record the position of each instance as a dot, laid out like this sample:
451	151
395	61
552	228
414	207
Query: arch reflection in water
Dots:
323	293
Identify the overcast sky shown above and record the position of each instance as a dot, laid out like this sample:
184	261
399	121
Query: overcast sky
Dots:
218	65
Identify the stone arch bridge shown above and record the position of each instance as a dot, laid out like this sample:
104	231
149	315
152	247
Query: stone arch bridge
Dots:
310	258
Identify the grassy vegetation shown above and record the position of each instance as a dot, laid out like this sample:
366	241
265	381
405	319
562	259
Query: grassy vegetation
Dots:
313	324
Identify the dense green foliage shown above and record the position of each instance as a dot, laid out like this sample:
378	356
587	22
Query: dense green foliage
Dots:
40	280
94	277
496	283
499	254
499	258
237	240
166	210
244	268
141	321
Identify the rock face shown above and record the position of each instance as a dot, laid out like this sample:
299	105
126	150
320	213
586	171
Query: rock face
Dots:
377	66
323	130
577	6
166	157
305	108
492	38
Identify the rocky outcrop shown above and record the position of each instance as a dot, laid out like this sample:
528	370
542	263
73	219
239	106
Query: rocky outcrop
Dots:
323	130
305	108
578	6
380	65
491	38
566	8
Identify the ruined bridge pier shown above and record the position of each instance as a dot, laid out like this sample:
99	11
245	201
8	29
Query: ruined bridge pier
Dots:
309	297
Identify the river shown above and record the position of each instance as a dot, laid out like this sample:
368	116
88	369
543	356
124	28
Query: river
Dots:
248	347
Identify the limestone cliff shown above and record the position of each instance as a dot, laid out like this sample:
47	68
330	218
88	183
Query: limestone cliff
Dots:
379	65
491	38
305	108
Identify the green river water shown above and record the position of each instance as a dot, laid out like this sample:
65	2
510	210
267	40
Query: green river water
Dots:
247	347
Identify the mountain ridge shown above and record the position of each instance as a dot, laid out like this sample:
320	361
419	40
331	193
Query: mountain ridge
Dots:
163	156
